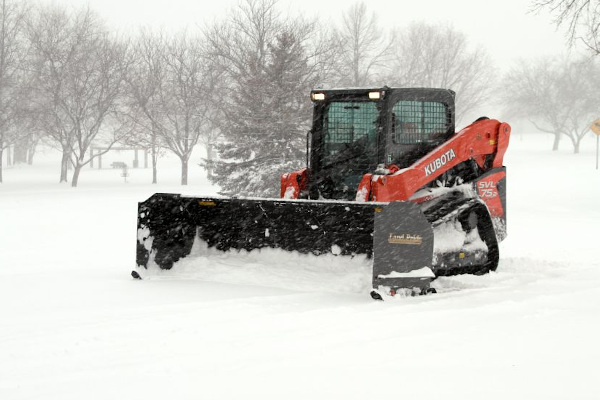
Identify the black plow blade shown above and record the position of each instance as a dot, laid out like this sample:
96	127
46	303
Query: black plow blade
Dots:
168	224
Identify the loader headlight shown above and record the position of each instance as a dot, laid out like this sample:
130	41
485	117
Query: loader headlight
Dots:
317	96
374	95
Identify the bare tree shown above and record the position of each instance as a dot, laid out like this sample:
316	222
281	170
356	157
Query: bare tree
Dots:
94	102
145	80
55	36
557	95
363	47
580	17
80	75
171	87
13	54
440	56
184	103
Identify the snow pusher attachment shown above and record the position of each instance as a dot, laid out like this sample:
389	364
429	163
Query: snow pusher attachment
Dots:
396	236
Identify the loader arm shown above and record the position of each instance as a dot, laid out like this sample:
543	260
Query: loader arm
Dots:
484	141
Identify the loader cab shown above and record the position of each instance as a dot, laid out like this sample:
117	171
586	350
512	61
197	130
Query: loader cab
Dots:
356	130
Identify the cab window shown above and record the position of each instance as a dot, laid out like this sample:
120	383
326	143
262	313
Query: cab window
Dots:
415	122
349	125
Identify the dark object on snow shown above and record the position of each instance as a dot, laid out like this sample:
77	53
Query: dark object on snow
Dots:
387	177
118	164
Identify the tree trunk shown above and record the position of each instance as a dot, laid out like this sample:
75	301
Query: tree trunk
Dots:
64	165
576	146
184	171
154	163
154	155
76	172
31	152
154	172
556	141
1	151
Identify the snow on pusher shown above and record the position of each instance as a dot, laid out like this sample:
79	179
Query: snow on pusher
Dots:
387	177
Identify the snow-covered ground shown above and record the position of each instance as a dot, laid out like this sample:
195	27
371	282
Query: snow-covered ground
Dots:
74	325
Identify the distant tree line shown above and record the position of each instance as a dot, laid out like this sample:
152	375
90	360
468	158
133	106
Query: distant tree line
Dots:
558	94
237	87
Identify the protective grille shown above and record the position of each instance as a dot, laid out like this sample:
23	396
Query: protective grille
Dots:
419	122
347	122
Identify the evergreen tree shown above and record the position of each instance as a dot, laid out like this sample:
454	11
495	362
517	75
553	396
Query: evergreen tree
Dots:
265	120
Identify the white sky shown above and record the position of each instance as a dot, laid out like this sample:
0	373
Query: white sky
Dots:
504	27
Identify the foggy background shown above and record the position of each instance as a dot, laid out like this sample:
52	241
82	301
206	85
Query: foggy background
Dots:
224	86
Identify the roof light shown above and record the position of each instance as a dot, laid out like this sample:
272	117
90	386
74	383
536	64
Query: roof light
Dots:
317	96
374	95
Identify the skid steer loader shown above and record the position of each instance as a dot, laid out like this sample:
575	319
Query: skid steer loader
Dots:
387	177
